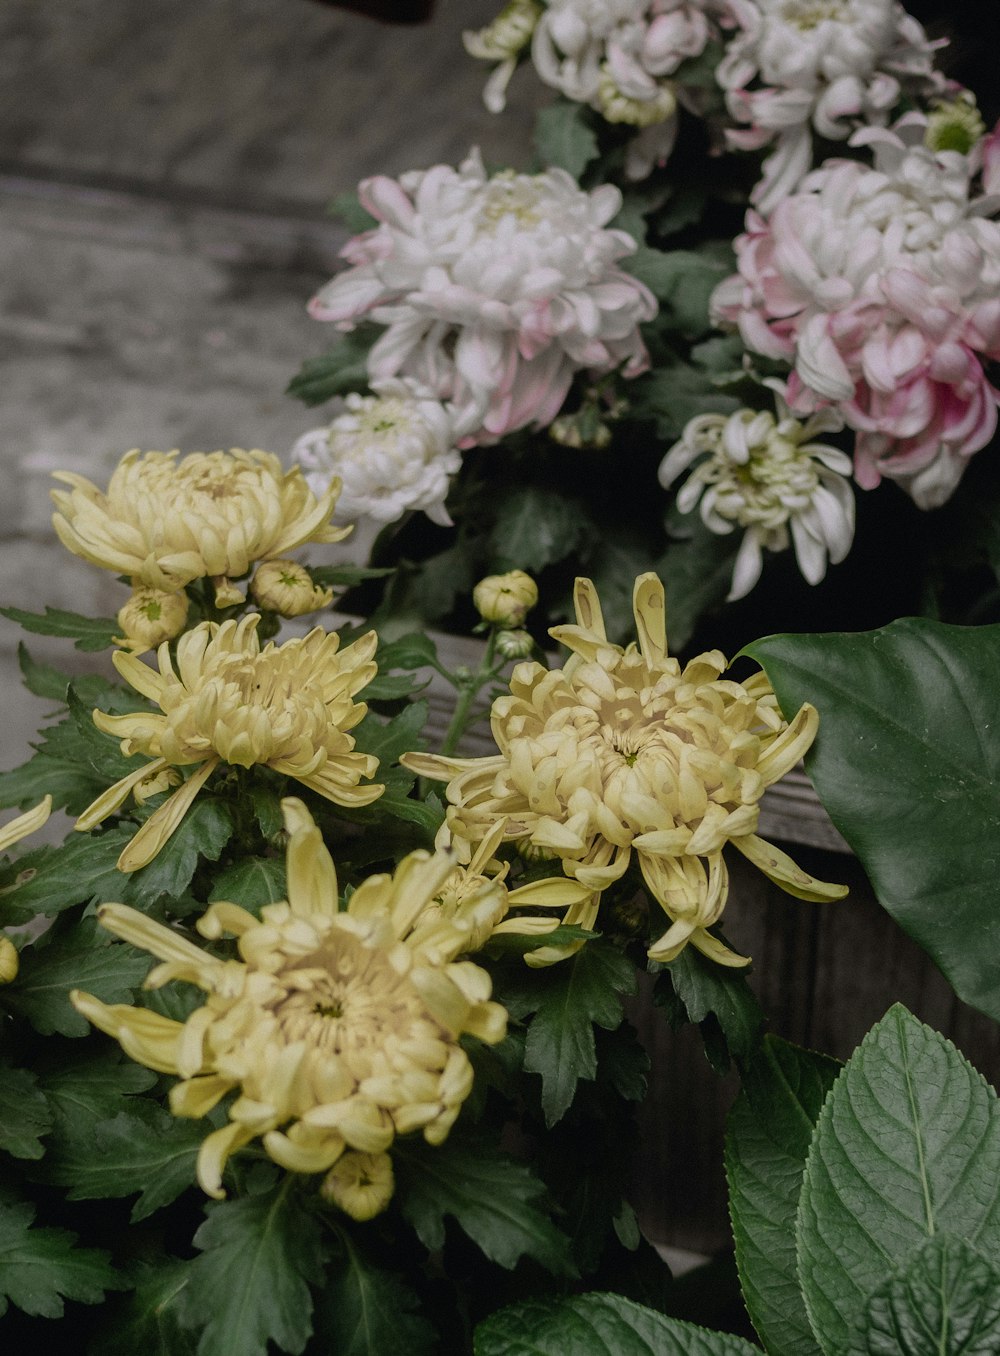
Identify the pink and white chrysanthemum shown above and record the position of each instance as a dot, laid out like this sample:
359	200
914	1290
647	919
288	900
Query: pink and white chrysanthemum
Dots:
799	66
493	291
881	286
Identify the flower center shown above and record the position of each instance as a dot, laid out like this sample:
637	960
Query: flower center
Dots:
510	195
809	14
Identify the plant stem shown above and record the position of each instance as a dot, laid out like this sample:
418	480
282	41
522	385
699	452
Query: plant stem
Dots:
469	691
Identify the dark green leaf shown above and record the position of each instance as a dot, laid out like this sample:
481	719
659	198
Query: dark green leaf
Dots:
573	997
682	281
698	569
24	1113
769	1132
43	680
711	992
387	739
252	882
564	137
89	633
415	650
907	1146
57	878
536	527
148	1321
250	1286
39	1268
365	1311
598	1325
93	1086
907	762
267	810
674	395
490	1197
945	1301
144	1150
344	576
204	832
83	958
341	369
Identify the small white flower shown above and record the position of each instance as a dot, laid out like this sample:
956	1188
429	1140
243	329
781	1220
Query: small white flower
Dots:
393	451
502	41
766	476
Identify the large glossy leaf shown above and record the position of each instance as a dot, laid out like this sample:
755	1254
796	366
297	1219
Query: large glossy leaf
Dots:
598	1325
907	1147
907	762
767	1139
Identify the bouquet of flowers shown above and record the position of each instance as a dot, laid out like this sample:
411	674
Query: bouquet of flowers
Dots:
316	1038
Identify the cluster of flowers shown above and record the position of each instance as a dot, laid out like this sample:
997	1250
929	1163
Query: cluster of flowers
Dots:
329	1028
875	278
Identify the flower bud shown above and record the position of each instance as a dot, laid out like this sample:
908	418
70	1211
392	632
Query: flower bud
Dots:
954	124
360	1184
150	617
9	960
514	644
286	587
505	599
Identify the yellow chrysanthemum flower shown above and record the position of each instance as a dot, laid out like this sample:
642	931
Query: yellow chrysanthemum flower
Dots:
287	707
285	587
625	752
338	1029
166	522
150	617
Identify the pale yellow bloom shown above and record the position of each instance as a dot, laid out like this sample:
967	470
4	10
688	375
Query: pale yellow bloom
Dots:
505	599
616	106
623	752
285	587
360	1184
165	522
288	707
150	617
338	1029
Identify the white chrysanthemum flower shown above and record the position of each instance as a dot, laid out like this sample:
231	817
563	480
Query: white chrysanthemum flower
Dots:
494	291
767	476
392	451
823	65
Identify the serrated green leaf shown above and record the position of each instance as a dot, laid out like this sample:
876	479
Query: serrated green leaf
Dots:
144	1150
92	1085
56	878
769	1131
89	633
24	1113
250	1285
148	1321
623	1062
252	882
536	527
564	138
574	996
204	832
697	569
44	680
365	1311
672	396
907	763
343	368
387	739
39	1268
709	991
489	1196
415	650
266	804
945	1301
598	1325
83	958
907	1146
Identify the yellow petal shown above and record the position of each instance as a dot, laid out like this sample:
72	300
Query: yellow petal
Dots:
215	1152
789	746
298	1157
717	951
650	618
111	800
145	1036
780	868
164	821
195	1097
144	932
312	876
24	824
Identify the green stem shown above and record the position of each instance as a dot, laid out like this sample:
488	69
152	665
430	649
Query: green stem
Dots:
471	688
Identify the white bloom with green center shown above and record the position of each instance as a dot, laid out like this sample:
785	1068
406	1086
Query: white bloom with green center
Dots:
392	451
767	476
